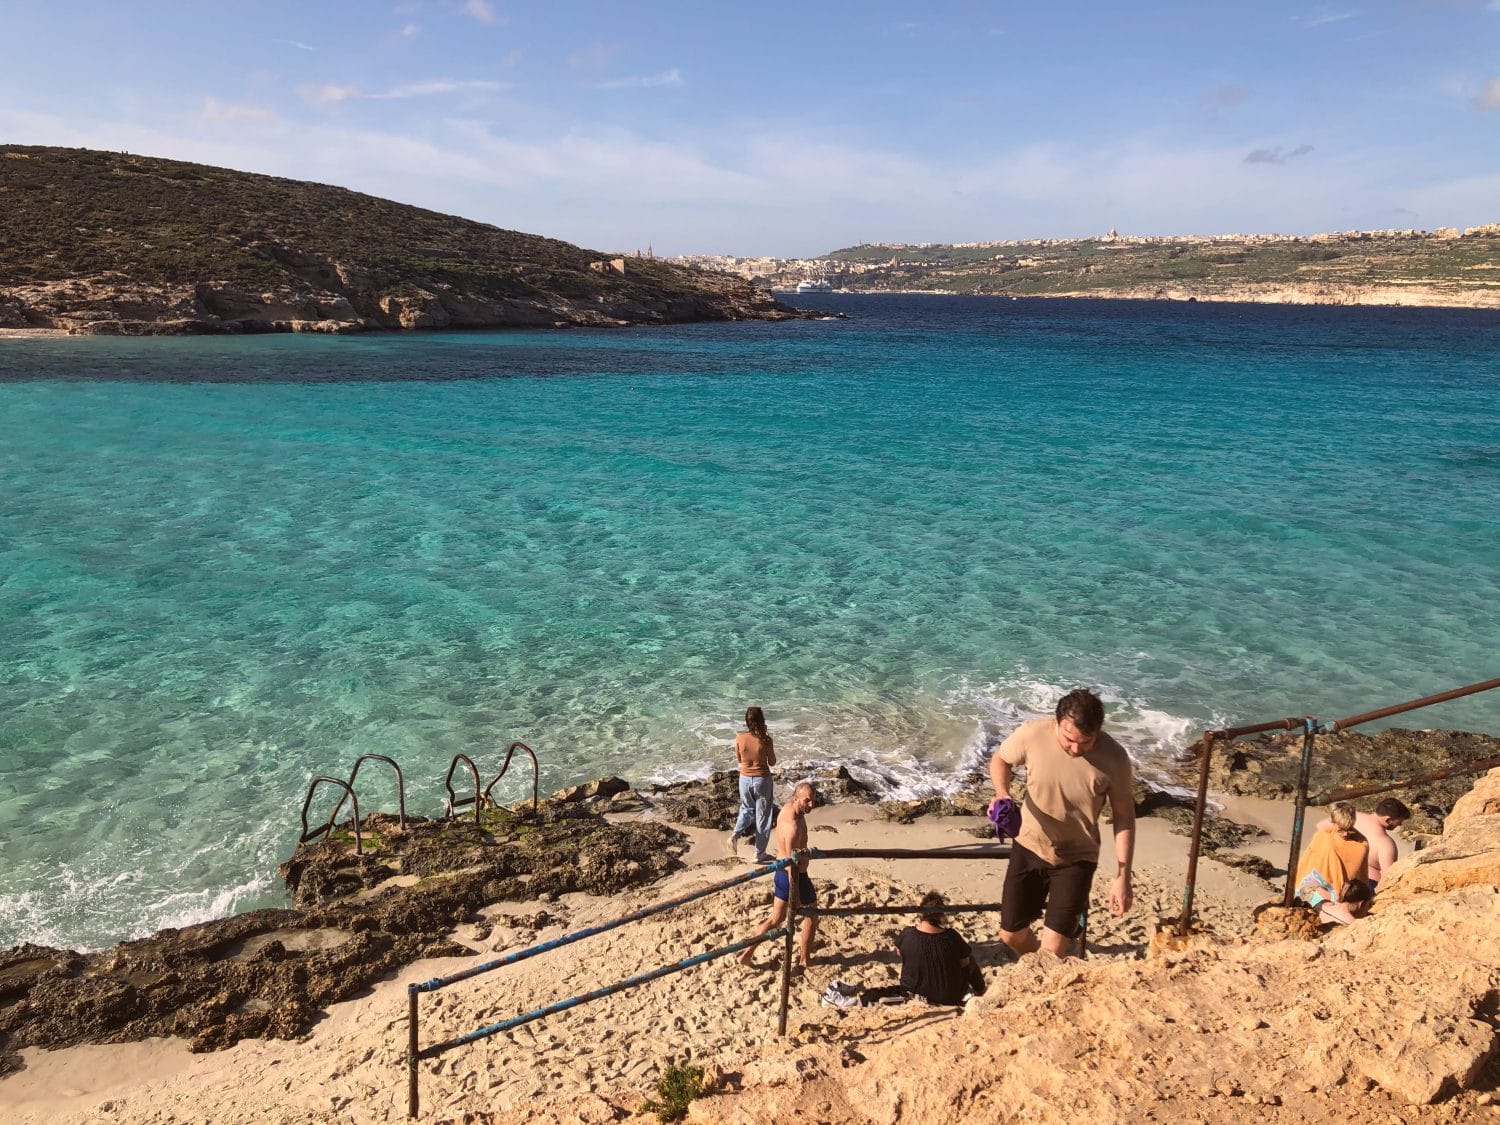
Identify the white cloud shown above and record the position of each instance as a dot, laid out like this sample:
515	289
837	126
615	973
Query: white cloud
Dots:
429	89
1277	155
410	29
222	112
301	46
595	56
1489	97
671	77
1325	15
328	93
481	10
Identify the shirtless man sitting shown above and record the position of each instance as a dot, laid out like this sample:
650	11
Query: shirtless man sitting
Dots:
1376	827
791	837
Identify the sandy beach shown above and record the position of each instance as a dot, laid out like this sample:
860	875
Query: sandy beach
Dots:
351	1066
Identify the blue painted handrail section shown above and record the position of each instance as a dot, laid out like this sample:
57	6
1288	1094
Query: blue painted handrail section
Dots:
597	994
604	927
414	1053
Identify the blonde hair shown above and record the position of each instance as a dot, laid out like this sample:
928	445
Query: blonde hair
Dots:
1343	816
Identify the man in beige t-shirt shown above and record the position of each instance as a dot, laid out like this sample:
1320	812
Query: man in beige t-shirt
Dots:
1072	768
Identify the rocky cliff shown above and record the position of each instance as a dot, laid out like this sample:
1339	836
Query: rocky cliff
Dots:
111	243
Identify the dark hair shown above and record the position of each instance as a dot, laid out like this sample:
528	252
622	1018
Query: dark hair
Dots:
1084	708
1392	807
1356	890
755	723
931	908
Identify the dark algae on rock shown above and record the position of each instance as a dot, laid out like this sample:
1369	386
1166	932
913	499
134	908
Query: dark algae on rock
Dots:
354	920
114	243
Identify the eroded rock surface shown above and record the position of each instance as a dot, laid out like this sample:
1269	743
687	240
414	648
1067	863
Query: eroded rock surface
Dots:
354	920
1267	767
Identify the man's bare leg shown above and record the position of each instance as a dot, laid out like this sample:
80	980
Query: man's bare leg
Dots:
778	912
809	928
1055	943
1021	941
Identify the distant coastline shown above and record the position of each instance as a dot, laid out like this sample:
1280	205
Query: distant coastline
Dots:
1381	297
1447	268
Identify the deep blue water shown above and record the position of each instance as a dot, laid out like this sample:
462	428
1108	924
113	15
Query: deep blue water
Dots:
227	565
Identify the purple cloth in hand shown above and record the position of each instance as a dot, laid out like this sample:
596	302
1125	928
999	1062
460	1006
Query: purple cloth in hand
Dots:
1005	815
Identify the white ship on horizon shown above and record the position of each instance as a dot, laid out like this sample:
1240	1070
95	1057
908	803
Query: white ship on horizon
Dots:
814	285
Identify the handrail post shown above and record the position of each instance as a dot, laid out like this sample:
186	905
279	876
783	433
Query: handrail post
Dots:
1185	923
535	773
453	801
328	827
412	1070
400	784
1309	730
792	880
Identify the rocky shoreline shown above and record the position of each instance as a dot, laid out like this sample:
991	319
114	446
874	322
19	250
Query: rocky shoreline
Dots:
118	306
355	919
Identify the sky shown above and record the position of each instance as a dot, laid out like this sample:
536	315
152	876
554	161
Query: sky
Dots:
796	129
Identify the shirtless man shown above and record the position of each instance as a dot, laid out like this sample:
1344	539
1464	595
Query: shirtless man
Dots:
791	837
1376	827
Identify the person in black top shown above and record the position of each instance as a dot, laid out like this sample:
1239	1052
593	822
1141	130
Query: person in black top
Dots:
936	963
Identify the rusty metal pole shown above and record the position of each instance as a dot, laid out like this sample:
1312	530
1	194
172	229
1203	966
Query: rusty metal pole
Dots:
1328	796
786	956
411	1051
1184	924
1309	731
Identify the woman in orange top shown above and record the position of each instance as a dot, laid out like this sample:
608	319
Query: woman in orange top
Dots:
1333	875
755	751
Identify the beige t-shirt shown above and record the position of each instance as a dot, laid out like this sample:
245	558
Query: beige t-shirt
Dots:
1064	795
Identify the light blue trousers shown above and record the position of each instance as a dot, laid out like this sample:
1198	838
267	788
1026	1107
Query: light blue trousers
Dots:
757	810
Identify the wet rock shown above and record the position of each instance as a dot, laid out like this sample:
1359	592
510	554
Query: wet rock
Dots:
712	802
602	788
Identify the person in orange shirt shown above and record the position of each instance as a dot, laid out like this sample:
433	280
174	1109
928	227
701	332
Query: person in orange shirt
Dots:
755	751
1333	875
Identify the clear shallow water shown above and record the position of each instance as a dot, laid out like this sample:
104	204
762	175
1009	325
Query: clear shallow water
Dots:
229	565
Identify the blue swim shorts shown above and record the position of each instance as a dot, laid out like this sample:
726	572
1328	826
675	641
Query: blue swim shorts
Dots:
805	894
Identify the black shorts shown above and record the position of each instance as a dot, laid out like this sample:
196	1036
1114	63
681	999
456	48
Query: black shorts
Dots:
1031	883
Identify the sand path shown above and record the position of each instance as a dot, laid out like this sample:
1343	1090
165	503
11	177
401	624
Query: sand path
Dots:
351	1066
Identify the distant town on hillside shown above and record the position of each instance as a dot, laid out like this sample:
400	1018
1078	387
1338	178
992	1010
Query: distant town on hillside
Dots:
1446	266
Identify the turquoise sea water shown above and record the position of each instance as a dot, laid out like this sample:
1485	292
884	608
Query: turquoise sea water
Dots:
227	565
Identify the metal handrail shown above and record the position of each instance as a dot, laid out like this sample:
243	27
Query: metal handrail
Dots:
1411	705
400	784
1311	727
315	833
453	801
535	772
415	1052
1328	796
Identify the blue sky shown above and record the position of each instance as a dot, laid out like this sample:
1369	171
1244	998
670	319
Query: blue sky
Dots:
710	127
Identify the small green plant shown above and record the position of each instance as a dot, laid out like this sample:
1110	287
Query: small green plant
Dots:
677	1086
